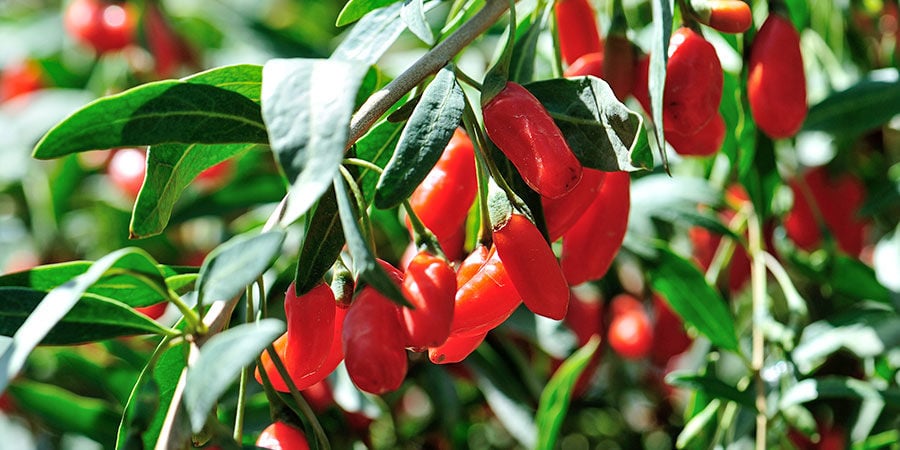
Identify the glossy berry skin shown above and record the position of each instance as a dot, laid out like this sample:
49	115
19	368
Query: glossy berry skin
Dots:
456	348
705	142
310	322
590	246
577	28
443	199
669	337
532	267
693	82
561	213
215	176
374	343
430	285
776	83
630	332
103	26
20	78
153	311
485	300
524	131
838	199
471	265
281	436
126	170
727	16
587	64
618	65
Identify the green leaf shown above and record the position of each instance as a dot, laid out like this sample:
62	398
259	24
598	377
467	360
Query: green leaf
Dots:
307	104
873	400
713	387
761	180
504	394
558	394
322	244
427	132
244	79
696	427
93	318
856	280
56	305
601	131
521	68
413	15
356	9
66	412
364	264
683	287
170	169
220	363
659	56
864	333
866	105
372	36
205	109
377	146
232	266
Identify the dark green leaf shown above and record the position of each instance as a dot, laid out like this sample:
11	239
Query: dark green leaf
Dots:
376	146
356	9
372	36
868	104
427	132
322	244
856	280
683	287
66	412
558	394
713	387
307	105
659	56
58	303
504	394
696	428
93	318
170	168
173	111
762	179
232	266
220	363
364	264
244	79
521	68
864	333
413	15
601	131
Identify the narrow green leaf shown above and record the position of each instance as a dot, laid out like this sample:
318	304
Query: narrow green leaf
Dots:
683	287
522	65
413	15
55	306
66	412
355	9
377	146
422	141
858	281
171	111
322	244
220	363
873	400
697	425
364	263
372	36
232	266
601	131
307	104
659	56
170	169
93	318
558	394
864	333
868	104
713	387
244	79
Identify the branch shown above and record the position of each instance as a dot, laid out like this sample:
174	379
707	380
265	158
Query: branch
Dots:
428	64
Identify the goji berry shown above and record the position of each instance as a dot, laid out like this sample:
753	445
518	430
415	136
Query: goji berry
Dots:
705	142
840	217
630	332
103	26
456	348
430	285
310	323
693	82
20	78
577	29
532	267
471	265
561	213
587	64
776	84
281	436
727	16
524	131
669	337
486	300
127	169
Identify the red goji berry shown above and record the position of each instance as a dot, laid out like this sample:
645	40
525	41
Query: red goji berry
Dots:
532	267
669	337
103	26
727	16
693	82
20	78
281	436
591	244
630	332
524	131
776	84
588	64
840	217
471	265
430	285
127	169
310	323
706	141
486	300
561	213
456	348
577	29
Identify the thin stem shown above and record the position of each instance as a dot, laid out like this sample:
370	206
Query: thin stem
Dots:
298	398
465	78
360	204
428	64
485	236
363	163
758	285
245	375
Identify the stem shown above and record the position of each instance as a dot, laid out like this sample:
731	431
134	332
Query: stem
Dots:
428	64
245	375
465	78
295	394
367	229
485	232
758	285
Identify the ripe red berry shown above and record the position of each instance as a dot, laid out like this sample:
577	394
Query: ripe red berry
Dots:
561	213
215	176
153	311
705	142
127	169
727	16
776	84
587	64
840	217
630	332
310	322
456	348
281	436
20	78
101	25
693	82
577	29
430	285
485	300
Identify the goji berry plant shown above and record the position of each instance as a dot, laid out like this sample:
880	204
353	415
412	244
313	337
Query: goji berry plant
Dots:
432	224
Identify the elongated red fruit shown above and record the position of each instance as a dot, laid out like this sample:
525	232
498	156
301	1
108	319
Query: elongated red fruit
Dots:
591	244
587	64
471	265
310	321
669	336
727	16
486	300
577	28
19	78
443	199
281	436
561	213
532	267
705	142
523	130
776	84
430	285
374	343
456	348
838	199
630	331
693	82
